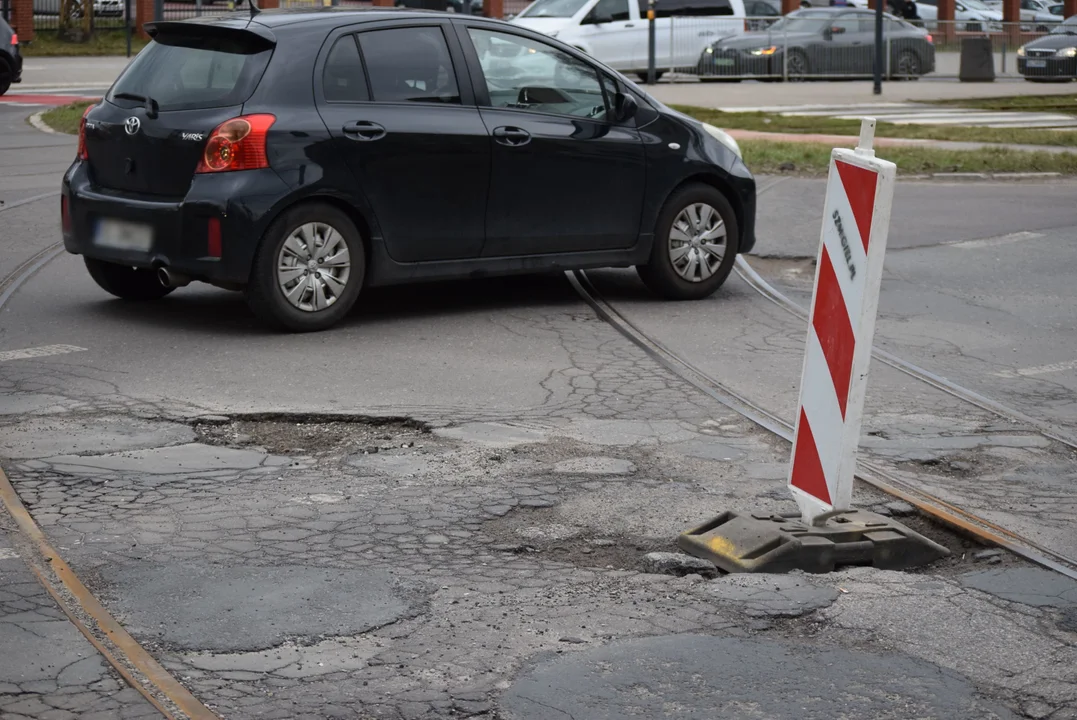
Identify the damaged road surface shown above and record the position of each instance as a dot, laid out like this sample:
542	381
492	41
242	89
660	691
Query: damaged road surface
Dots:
465	501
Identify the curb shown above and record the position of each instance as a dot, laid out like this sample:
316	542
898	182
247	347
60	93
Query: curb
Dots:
40	124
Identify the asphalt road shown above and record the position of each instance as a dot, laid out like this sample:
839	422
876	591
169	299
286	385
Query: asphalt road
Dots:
478	550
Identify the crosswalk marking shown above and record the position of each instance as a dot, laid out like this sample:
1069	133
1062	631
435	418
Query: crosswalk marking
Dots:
43	351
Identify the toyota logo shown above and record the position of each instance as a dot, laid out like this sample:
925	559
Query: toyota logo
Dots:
132	125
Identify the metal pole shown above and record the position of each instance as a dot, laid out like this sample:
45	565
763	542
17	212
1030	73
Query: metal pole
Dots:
158	9
466	7
785	57
651	79
878	89
198	8
1003	57
127	24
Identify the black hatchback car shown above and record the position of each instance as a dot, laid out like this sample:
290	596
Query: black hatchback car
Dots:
1053	57
303	156
820	43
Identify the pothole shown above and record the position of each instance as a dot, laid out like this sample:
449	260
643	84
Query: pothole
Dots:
314	436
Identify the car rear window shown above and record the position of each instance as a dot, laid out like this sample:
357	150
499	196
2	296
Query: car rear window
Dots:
189	71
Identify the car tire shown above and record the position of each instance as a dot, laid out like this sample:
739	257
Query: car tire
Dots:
5	76
1043	29
657	75
288	298
719	80
126	282
908	66
797	68
681	224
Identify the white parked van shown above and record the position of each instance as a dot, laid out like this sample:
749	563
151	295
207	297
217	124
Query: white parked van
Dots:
615	31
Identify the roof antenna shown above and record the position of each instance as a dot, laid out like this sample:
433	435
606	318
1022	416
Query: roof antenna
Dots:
254	8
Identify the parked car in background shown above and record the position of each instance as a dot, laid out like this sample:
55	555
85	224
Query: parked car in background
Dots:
762	13
1029	8
101	8
1044	21
10	58
453	6
820	43
1053	57
615	31
969	16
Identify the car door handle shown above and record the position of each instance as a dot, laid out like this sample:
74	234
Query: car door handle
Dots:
628	25
512	136
364	130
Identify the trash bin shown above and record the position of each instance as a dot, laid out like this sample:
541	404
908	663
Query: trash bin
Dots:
977	60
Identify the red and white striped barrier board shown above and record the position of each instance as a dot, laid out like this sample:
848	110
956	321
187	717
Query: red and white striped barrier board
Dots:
856	219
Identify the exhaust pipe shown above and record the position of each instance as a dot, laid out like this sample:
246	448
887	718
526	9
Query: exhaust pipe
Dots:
172	279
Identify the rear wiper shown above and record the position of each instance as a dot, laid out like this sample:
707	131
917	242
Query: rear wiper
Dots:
149	103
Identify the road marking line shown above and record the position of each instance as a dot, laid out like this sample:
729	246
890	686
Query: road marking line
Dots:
51	570
43	351
1038	370
996	241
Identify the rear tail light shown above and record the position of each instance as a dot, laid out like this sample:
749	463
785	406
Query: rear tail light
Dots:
930	39
83	154
14	38
65	214
237	144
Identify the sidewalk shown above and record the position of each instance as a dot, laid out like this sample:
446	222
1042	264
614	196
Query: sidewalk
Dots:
850	141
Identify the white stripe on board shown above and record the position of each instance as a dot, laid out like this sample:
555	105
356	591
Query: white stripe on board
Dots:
43	351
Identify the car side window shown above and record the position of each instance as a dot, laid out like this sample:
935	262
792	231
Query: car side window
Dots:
343	79
409	65
615	10
851	23
526	74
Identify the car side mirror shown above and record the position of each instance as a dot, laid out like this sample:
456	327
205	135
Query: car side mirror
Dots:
598	18
624	107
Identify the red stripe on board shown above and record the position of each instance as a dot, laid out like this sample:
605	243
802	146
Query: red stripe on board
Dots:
860	189
807	472
830	318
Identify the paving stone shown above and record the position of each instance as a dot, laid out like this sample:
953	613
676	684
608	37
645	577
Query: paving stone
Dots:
766	595
241	609
1028	585
679	564
710	677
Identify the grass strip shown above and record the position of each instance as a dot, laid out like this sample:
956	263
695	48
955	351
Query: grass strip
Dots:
103	42
1023	103
807	124
65	118
766	157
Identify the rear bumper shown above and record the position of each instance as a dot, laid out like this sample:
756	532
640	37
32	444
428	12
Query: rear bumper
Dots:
179	229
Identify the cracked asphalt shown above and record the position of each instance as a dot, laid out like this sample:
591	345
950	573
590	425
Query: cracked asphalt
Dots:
443	509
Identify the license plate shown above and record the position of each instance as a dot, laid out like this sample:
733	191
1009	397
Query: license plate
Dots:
1037	63
123	235
723	61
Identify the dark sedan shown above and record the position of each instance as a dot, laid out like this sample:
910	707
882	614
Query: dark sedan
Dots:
820	42
301	157
1052	58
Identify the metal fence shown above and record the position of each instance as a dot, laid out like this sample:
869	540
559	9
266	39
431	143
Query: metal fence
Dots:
714	50
106	15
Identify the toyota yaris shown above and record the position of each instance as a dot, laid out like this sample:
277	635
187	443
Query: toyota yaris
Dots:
301	157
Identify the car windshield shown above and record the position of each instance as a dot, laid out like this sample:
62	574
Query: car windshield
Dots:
803	22
1066	27
553	8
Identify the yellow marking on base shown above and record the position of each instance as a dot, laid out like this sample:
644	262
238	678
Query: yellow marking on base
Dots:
141	660
722	546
